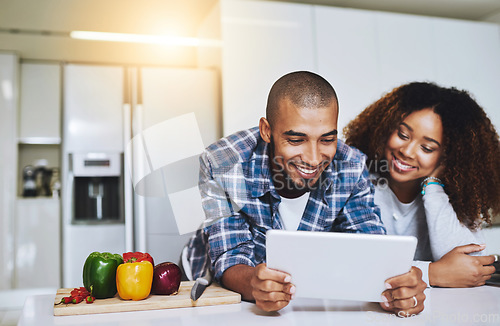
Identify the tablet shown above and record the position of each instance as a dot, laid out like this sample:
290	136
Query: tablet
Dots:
341	266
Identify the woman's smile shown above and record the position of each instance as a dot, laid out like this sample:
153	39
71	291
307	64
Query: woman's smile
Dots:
402	166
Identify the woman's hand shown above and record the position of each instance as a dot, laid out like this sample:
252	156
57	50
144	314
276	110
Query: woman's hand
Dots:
438	172
405	294
457	269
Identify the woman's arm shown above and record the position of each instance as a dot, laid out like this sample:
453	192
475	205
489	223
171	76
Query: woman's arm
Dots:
453	245
445	230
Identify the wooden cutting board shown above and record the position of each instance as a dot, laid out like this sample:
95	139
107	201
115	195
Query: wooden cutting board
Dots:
213	295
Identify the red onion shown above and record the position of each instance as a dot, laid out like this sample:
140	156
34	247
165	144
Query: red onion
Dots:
166	278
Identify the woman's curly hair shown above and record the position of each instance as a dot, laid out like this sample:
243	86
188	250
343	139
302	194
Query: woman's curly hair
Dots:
471	156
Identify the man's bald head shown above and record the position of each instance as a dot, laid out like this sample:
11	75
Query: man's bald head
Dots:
304	89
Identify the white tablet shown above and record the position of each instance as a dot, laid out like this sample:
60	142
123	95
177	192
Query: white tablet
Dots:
342	266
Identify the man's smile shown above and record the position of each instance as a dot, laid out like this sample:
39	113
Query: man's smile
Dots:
306	171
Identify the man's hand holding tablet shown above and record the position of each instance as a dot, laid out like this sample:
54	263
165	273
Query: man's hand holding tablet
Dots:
270	289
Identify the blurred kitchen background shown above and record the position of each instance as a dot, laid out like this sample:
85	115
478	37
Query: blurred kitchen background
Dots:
69	105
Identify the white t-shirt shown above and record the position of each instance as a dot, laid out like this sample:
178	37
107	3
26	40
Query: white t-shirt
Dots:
291	211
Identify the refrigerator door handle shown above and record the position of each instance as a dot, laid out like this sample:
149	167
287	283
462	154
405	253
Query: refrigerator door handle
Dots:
138	215
140	201
127	180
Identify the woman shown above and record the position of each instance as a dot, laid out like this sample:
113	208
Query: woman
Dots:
435	159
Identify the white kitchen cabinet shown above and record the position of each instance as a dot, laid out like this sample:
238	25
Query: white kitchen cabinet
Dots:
39	120
37	220
262	41
366	53
37	243
405	49
348	57
467	56
40	104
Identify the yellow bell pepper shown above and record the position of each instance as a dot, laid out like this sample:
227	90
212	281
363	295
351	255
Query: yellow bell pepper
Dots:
134	280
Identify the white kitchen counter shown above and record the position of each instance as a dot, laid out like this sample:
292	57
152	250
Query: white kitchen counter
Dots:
471	306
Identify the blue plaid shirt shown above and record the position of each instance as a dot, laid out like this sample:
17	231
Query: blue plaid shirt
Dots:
241	202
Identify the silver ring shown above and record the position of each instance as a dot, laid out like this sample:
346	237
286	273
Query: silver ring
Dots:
416	302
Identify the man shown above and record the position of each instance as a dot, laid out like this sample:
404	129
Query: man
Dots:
261	179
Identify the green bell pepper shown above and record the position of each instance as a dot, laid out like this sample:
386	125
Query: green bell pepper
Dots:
99	274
